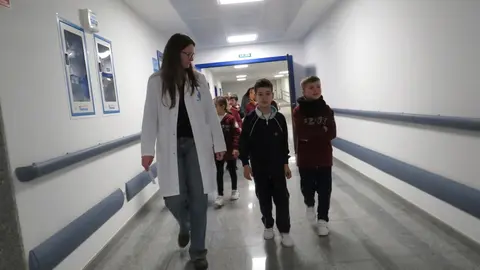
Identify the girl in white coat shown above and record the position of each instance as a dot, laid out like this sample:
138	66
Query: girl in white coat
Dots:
180	117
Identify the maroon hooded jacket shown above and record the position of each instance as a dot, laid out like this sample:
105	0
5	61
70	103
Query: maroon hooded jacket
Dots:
314	125
235	112
231	132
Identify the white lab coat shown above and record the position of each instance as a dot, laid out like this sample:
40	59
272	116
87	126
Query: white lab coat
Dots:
160	126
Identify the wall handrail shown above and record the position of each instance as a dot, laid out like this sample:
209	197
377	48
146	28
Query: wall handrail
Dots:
38	169
51	252
453	122
458	195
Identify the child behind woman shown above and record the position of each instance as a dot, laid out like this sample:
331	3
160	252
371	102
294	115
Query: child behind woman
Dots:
235	109
231	132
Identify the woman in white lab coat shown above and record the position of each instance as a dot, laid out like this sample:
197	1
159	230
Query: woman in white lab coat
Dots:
179	116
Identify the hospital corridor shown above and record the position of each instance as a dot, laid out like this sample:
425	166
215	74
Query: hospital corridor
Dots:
239	135
371	229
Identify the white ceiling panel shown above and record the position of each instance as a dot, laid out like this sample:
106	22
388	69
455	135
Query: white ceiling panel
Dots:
210	23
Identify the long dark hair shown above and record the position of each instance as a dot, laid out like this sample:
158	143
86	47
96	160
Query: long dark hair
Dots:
172	72
245	100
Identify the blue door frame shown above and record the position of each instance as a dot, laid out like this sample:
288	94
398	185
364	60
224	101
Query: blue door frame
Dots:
288	58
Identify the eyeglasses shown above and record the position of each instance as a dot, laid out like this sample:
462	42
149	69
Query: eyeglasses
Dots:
189	55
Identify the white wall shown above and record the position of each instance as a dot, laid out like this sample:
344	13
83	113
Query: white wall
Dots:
295	49
285	89
413	57
239	88
38	126
210	80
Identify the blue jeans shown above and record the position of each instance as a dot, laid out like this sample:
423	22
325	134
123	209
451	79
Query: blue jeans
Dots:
190	207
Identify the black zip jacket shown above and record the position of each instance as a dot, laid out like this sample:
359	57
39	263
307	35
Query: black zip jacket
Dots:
264	143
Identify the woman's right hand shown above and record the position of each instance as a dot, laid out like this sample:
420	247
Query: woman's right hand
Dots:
247	172
146	162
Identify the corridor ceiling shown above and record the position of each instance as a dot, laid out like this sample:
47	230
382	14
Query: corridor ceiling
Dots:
210	23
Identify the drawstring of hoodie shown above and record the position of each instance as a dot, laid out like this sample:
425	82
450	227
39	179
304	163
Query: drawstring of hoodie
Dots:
266	119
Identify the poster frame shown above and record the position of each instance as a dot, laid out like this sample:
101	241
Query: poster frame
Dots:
64	24
99	40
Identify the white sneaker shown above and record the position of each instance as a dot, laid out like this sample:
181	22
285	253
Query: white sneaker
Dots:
287	241
311	215
235	195
219	201
322	227
268	234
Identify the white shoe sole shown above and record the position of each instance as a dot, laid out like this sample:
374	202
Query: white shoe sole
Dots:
324	233
287	246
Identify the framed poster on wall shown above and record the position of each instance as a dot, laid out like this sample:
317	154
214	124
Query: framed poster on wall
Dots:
156	65
76	69
106	75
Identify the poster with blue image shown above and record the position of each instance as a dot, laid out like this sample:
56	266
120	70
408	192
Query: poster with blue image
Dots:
76	68
156	66
106	75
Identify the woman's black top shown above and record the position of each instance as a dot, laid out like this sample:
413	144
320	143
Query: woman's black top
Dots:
184	128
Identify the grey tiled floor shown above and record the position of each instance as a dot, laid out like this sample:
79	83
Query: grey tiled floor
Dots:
370	229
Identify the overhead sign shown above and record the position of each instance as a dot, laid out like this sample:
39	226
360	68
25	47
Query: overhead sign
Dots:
245	55
5	3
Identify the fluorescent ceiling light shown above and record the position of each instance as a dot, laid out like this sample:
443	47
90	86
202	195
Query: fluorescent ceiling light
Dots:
279	76
241	76
240	66
242	38
241	79
228	2
283	72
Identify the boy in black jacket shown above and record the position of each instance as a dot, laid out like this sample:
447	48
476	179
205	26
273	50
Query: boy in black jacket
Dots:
264	145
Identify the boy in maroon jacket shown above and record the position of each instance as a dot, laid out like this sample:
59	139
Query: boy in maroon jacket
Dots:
314	125
235	109
231	132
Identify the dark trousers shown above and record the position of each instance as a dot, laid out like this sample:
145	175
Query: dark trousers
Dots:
232	170
317	180
268	188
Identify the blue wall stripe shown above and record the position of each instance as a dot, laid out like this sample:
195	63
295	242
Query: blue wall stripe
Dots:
242	62
38	169
139	182
456	194
472	124
55	249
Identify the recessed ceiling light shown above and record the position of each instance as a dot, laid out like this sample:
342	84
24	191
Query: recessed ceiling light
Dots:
240	66
241	79
279	76
228	2
283	72
241	76
242	38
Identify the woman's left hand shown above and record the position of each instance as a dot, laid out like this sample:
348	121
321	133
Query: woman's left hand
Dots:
220	155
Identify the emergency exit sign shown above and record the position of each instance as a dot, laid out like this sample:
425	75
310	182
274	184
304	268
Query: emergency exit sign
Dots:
245	55
5	3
